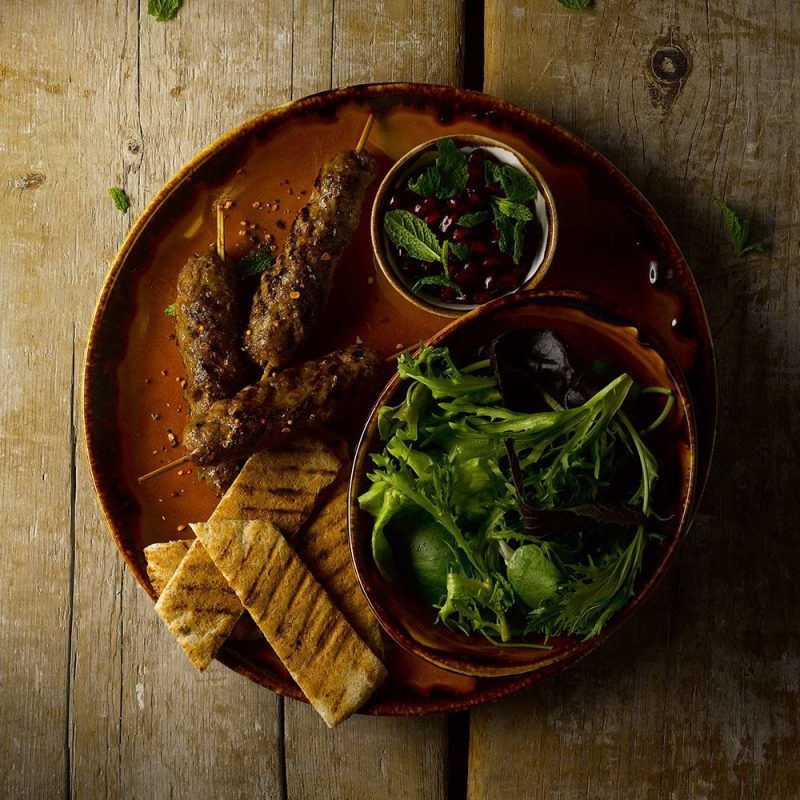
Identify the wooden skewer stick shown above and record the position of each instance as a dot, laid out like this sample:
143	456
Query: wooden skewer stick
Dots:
365	133
220	230
165	468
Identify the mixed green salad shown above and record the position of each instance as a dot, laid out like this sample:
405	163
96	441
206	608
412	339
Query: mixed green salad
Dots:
513	494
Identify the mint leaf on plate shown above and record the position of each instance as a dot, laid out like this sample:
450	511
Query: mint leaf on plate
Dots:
170	310
447	177
473	218
413	235
460	251
516	211
518	185
575	5
255	262
436	280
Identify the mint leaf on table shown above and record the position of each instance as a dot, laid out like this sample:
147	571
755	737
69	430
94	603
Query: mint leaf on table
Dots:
254	263
575	5
473	218
412	235
121	201
163	10
516	211
447	177
739	230
170	310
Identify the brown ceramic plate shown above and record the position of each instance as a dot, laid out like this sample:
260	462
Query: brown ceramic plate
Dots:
594	335
612	245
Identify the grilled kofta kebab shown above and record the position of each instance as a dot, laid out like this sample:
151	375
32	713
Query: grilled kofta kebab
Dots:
311	394
207	328
289	300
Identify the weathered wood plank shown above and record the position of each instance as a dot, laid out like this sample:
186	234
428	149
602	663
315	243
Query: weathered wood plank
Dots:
42	274
397	40
144	723
699	696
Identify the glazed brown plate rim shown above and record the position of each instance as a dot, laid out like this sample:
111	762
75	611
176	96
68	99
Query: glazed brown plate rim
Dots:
366	94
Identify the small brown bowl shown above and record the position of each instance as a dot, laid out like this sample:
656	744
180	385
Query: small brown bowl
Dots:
592	333
423	155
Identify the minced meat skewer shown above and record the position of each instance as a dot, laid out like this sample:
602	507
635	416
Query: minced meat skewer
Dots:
289	301
311	394
209	336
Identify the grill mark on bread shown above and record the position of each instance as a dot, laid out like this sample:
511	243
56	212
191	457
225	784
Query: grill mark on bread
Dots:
289	605
320	462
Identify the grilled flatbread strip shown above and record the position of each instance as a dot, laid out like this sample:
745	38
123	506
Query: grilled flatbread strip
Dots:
198	606
334	668
281	485
323	545
163	559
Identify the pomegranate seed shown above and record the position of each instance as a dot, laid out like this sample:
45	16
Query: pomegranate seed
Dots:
482	297
479	247
508	281
494	262
476	198
466	280
419	209
462	235
490	282
432	218
448	294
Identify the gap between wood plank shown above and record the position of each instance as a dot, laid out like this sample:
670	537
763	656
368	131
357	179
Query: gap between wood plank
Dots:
472	77
73	493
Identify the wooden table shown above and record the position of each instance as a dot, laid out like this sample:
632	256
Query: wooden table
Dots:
697	698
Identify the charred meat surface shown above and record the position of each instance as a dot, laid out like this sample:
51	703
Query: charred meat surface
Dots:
289	301
313	393
207	328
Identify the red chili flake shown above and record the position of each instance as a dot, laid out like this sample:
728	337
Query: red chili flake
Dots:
173	494
148	380
290	190
155	416
164	372
281	224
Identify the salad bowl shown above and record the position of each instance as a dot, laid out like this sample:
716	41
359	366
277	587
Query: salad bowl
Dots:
594	333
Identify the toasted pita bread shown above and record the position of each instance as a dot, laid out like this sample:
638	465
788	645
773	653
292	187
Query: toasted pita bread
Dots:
334	668
163	559
281	485
324	547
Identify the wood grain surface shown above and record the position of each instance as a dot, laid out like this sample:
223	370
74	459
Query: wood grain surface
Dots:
697	698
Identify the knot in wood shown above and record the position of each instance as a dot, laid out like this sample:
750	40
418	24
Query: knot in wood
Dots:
669	64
